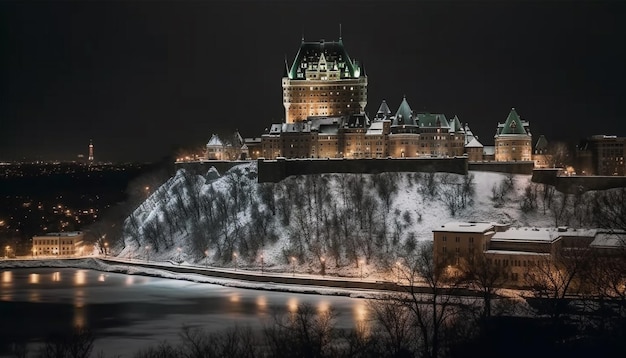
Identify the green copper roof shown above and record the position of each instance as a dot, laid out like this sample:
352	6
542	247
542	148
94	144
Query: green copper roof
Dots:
513	124
334	53
404	115
432	120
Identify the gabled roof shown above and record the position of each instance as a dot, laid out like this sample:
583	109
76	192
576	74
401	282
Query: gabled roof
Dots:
404	115
513	124
474	143
215	141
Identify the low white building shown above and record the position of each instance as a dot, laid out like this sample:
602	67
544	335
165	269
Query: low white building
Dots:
58	243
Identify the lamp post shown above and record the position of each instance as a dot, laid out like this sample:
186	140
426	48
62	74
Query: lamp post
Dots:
106	249
262	264
179	256
235	257
361	263
6	251
323	266
147	253
206	258
293	266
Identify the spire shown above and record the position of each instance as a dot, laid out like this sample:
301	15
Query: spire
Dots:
340	32
286	68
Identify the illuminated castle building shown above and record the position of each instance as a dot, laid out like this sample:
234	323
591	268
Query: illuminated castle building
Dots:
323	81
325	95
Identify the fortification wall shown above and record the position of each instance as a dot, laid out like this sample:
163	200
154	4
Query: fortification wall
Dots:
518	167
577	184
202	167
281	168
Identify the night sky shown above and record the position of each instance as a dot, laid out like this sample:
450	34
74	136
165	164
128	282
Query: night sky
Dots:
145	78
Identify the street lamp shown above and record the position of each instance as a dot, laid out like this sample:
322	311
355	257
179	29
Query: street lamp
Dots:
361	263
206	258
147	253
262	263
293	265
106	249
235	257
323	266
6	251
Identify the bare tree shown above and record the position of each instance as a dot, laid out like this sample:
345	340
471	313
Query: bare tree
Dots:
484	277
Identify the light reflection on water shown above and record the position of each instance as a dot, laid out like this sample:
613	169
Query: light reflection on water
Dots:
292	304
126	307
33	278
7	277
80	278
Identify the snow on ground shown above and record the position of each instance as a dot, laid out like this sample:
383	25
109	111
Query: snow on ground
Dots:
427	214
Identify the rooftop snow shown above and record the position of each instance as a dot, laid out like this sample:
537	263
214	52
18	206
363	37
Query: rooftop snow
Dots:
465	227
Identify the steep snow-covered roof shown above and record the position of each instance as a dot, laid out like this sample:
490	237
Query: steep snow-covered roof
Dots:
474	143
215	141
375	129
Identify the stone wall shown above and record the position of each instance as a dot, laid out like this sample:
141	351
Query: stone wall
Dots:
577	184
518	167
203	166
276	170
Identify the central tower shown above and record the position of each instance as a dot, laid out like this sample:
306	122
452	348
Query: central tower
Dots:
323	81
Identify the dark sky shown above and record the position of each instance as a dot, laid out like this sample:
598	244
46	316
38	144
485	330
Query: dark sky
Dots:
144	78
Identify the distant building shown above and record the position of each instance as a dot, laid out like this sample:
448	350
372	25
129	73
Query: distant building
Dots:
601	155
235	148
90	158
513	139
323	81
516	250
58	244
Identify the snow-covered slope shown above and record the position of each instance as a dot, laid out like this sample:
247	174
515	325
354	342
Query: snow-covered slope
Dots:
306	222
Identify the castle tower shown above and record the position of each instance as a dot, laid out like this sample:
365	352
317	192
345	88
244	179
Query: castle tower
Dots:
323	81
90	151
513	139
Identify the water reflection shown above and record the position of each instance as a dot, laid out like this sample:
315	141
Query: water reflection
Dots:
261	302
126	308
323	306
80	278
34	296
33	278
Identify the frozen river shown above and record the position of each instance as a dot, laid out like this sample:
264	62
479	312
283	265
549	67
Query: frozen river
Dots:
127	312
